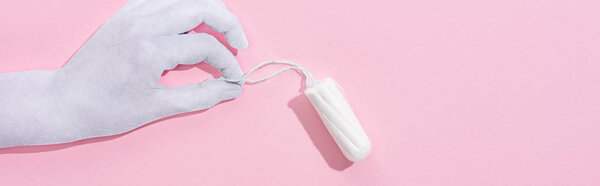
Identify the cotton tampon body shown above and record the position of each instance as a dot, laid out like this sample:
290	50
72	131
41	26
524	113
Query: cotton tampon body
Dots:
333	109
339	119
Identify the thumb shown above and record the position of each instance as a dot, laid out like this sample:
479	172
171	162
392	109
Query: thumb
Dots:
194	97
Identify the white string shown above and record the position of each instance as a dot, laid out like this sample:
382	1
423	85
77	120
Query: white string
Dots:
295	66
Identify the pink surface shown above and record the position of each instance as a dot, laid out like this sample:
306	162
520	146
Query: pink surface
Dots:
461	92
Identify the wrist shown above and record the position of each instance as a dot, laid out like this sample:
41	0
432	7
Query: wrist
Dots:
28	108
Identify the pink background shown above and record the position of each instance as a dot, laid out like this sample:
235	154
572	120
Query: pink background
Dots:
465	92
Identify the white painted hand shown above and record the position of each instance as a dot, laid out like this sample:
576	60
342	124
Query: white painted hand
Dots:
110	86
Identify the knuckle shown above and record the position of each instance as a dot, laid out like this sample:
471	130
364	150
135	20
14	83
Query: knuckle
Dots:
146	49
204	37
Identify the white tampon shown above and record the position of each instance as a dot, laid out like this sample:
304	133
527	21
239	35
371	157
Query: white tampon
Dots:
339	119
333	109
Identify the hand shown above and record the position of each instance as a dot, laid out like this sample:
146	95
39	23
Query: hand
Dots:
110	86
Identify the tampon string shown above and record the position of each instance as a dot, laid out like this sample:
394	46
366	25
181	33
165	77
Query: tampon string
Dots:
309	82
